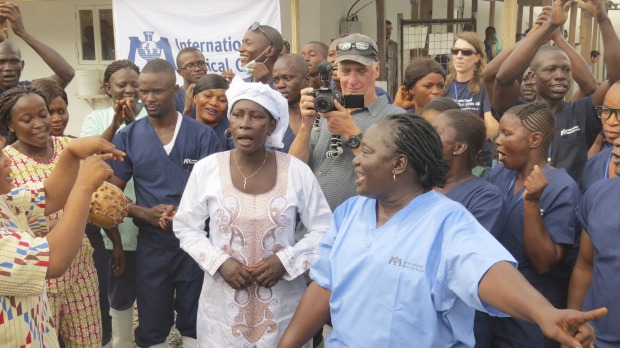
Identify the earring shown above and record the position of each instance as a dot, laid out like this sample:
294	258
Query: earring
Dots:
228	134
454	153
394	176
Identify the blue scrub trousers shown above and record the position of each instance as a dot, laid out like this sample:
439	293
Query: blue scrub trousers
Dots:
162	273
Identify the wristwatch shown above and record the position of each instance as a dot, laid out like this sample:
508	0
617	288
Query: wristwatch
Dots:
354	141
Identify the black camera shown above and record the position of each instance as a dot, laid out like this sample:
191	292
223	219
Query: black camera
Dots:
324	96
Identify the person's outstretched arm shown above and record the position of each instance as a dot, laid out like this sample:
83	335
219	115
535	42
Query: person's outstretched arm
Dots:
311	314
66	238
58	185
611	45
63	71
504	288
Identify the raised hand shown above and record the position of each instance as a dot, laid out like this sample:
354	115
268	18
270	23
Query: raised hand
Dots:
534	185
559	12
596	8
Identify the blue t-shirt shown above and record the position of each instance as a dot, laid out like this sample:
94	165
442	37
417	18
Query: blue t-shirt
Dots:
576	128
160	178
483	200
597	168
558	203
405	283
598	214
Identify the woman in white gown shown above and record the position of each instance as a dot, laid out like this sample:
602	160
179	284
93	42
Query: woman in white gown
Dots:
252	197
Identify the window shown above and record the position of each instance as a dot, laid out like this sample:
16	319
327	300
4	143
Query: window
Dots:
96	35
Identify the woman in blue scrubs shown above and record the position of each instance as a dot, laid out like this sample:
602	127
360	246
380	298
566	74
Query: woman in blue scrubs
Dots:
595	277
598	167
462	136
540	226
403	265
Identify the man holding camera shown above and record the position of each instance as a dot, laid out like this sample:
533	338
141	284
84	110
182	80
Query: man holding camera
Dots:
329	148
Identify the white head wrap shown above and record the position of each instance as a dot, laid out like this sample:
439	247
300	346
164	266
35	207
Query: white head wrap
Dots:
266	97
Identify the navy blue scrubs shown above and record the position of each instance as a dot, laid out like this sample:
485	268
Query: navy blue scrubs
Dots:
167	278
558	205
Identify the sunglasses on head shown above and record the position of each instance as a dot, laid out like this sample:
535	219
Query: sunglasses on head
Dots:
464	51
256	26
360	46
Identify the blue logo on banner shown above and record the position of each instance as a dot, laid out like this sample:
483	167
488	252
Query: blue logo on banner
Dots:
149	49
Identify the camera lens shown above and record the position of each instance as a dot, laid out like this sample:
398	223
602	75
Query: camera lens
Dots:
323	104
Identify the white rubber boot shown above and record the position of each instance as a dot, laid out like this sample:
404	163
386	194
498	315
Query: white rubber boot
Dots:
189	342
122	328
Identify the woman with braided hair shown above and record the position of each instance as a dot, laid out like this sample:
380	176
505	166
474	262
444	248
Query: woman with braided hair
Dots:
403	265
74	297
118	274
541	224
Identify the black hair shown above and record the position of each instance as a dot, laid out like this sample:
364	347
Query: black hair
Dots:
186	50
7	102
441	104
276	38
418	68
543	49
415	138
297	62
50	89
210	81
116	66
159	66
323	47
536	117
595	53
287	45
469	128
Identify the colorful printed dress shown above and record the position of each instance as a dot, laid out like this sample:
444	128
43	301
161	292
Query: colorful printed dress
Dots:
250	228
74	297
24	310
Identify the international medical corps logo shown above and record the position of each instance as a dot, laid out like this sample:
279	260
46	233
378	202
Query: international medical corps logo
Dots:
398	262
149	49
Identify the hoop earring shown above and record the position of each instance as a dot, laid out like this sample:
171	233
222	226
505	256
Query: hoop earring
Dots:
228	134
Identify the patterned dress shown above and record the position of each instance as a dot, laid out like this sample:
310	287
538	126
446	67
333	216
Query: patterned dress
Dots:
250	228
24	318
74	297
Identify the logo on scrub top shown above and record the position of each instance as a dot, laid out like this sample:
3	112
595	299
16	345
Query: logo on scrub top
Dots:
396	261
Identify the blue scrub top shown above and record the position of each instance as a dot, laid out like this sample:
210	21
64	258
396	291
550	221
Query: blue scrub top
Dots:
576	128
160	178
414	280
598	214
597	168
558	205
483	200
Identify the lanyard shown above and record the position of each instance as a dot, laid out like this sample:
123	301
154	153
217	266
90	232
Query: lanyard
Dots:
456	92
607	168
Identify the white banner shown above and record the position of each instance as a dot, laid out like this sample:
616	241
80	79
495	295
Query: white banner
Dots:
161	28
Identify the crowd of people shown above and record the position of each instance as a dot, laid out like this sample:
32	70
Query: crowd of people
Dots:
475	210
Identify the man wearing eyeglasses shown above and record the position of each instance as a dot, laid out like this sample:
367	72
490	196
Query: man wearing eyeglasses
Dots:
329	150
191	66
259	50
